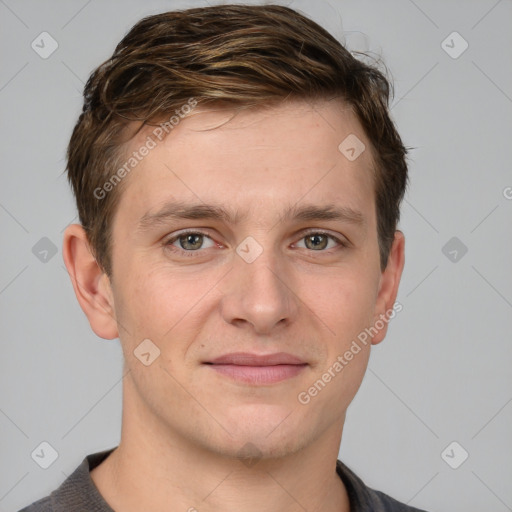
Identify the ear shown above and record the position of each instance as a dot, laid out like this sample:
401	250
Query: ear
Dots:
388	287
92	286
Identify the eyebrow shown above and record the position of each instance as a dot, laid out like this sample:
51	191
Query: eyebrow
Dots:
180	210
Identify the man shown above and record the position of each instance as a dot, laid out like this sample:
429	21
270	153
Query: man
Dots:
238	180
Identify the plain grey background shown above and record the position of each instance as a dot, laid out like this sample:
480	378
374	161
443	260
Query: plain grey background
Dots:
442	375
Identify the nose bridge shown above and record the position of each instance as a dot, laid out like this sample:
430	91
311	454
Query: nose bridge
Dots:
257	291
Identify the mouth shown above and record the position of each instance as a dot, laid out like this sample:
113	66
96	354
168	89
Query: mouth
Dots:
257	369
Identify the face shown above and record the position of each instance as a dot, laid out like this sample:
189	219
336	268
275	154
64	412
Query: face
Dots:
277	255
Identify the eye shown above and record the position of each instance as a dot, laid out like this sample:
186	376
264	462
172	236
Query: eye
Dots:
189	241
319	240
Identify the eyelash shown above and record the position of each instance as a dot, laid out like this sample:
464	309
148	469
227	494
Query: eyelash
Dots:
170	241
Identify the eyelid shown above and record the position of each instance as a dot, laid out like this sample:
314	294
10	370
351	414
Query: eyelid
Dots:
185	232
340	240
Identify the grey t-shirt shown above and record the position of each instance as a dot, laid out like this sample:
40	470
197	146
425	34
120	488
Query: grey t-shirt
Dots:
78	492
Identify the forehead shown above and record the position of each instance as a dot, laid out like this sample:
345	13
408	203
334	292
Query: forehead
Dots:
255	160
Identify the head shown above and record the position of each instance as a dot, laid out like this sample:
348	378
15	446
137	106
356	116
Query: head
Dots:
246	112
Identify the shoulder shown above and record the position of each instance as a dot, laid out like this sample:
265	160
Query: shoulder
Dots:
363	498
389	504
77	493
42	505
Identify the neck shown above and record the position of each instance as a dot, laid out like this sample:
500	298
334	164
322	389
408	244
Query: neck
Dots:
154	468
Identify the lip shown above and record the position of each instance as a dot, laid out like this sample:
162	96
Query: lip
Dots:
258	369
248	359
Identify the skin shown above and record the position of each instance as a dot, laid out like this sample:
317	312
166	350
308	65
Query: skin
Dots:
184	425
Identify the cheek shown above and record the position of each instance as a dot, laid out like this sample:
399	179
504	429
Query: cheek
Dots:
158	301
143	303
344	300
349	309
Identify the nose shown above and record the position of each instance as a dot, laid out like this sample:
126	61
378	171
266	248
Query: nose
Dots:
259	295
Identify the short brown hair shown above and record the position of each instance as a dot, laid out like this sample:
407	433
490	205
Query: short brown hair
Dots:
235	55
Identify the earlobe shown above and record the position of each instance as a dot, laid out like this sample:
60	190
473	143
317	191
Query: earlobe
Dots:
91	284
388	289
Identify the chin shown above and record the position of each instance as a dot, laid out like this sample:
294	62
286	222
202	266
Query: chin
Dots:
264	436
249	449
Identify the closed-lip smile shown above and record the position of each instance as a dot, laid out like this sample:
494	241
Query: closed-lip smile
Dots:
258	369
